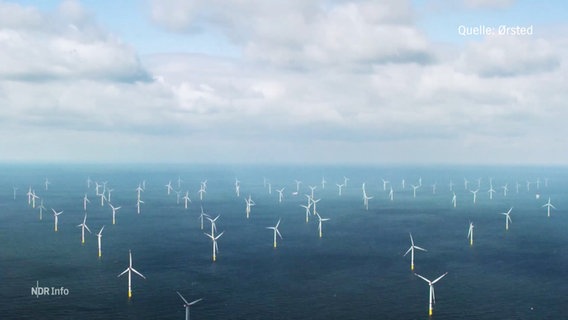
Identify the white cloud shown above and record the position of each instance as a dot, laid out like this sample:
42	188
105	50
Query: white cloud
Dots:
318	81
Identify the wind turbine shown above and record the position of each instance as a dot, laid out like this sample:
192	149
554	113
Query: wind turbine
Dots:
47	183
201	192
34	197
213	225
280	194
201	216
83	226
434	188
505	189
385	182
103	198
85	201
470	233
414	189
307	210
320	220
474	192
237	187
465	183
109	192
366	201
41	208
138	202
313	188
169	187
298	183
340	186
179	182
186	199
491	192
275	228
507	218
345	179
99	236
249	203
130	269
323	182
114	210
391	194
56	215
432	298
187	304
549	205
15	189
178	193
454	200
411	250
215	247
451	185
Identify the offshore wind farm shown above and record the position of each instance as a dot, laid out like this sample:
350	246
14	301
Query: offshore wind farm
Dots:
359	268
354	159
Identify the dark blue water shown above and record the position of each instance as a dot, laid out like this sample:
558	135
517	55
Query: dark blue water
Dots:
356	271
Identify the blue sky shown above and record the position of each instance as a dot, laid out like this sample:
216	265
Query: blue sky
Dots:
286	81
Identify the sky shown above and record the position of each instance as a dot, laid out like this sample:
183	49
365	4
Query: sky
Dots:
305	82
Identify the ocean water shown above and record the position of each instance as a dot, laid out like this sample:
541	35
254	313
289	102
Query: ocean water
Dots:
355	271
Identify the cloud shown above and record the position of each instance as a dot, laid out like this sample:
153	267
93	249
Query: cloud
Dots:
344	81
64	46
498	4
303	35
508	56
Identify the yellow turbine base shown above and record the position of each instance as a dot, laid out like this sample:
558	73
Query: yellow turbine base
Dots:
412	267
430	312
129	294
100	254
214	258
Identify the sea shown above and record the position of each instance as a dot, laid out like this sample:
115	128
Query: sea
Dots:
356	270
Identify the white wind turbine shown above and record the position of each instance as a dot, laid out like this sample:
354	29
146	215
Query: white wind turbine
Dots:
103	198
178	194
491	192
432	298
237	187
505	189
47	183
139	190
56	215
109	192
201	216
249	203
130	269
41	208
215	247
454	200
186	199
201	192
307	210
15	189
549	205
345	179
138	202
474	192
169	187
451	185
298	183
434	188
414	189
187	305
323	182
366	201
280	194
275	228
29	194
391	194
507	218
340	186
411	250
99	237
83	226
34	197
320	220
179	182
312	189
385	182
470	233
213	225
85	201
465	183
114	210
